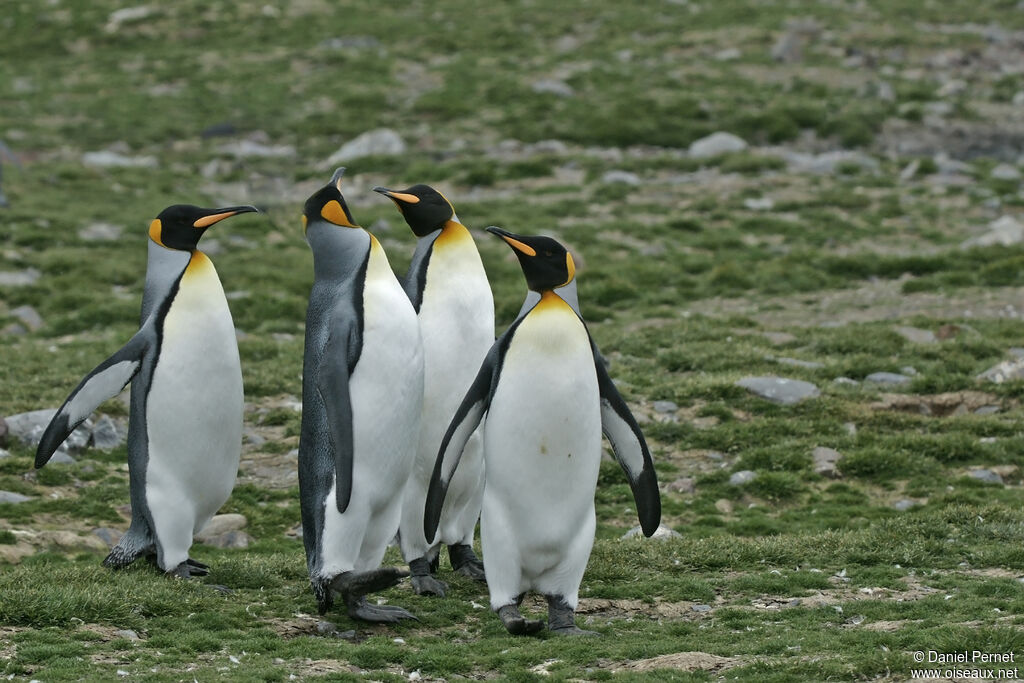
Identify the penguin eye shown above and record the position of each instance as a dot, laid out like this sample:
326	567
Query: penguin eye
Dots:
549	253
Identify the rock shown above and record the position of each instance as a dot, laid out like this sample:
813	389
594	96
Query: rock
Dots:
724	505
910	170
827	162
916	335
107	434
759	203
904	504
1005	371
325	628
67	540
887	378
12	497
729	54
1018	98
665	406
100	232
825	460
19	278
682	485
952	88
661	533
230	539
1005	171
127	634
700	608
127	15
60	457
22	425
108	535
221	524
624	177
779	390
1004	230
553	86
13	554
884	91
382	141
29	316
742	477
248	149
108	159
4	454
909	370
985	475
789	49
987	410
715	144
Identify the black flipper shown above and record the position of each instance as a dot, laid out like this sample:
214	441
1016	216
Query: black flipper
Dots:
467	417
629	448
332	388
104	382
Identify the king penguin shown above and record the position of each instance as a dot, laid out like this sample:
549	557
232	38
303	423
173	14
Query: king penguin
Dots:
448	288
185	422
547	398
362	393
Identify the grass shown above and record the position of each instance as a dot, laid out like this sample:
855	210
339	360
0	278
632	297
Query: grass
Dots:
792	576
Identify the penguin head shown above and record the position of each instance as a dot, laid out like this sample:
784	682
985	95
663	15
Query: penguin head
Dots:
424	208
180	226
546	263
328	204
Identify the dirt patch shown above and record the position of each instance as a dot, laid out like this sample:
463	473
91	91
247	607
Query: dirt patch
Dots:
889	626
682	661
618	609
939	405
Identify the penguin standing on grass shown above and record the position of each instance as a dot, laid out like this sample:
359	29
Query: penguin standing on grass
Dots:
448	288
185	424
547	398
362	392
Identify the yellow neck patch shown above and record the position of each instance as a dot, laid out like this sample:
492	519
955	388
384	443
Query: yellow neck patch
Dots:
155	230
452	234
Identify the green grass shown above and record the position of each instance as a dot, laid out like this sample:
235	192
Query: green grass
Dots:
792	576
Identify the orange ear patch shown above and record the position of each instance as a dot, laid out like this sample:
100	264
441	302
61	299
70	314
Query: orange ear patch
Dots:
155	230
333	213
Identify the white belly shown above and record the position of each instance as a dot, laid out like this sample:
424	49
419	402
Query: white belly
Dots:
194	408
542	446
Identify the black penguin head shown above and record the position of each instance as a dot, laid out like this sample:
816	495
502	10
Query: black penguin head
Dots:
545	263
328	204
424	208
180	226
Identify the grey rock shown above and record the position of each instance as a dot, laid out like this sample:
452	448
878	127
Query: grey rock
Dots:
22	425
825	460
107	434
789	48
127	634
1005	171
553	86
759	203
231	539
381	141
985	475
4	454
987	410
1005	371
12	497
910	170
939	109
1018	98
781	390
108	535
845	381
884	91
893	378
700	608
108	159
325	628
61	457
729	54
827	162
952	88
221	524
252	437
661	533
127	15
916	335
346	635
249	149
909	371
716	144
624	177
665	406
682	485
29	316
742	477
1005	230
100	232
19	278
904	504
